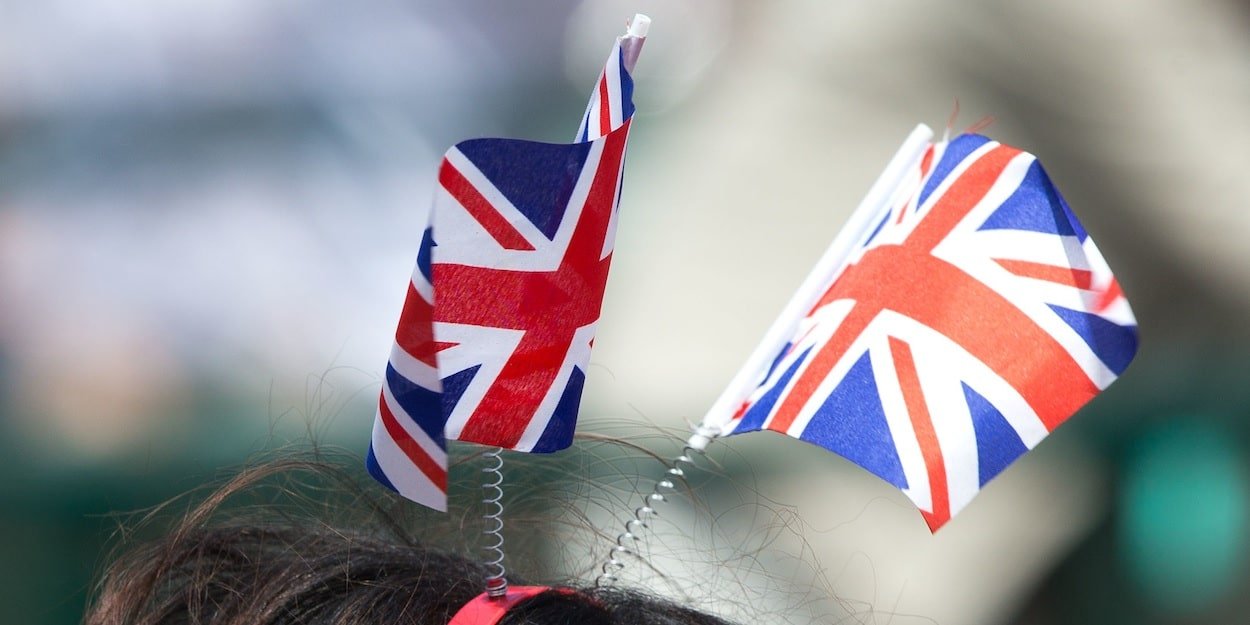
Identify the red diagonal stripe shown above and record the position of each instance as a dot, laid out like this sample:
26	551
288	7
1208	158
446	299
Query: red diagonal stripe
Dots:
472	200
925	162
605	112
820	365
415	334
1109	296
410	447
961	197
1066	276
926	435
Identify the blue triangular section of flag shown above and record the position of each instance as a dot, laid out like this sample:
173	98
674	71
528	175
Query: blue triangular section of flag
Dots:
627	90
1114	344
755	416
1036	206
998	444
781	355
425	255
958	149
422	404
852	424
537	178
375	469
559	432
877	230
454	386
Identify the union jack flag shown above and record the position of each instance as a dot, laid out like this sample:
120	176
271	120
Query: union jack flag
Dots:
496	330
972	318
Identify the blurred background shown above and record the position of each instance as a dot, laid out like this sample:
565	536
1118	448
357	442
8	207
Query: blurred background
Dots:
208	211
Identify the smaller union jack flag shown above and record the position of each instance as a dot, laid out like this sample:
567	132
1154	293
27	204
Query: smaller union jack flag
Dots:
497	327
972	318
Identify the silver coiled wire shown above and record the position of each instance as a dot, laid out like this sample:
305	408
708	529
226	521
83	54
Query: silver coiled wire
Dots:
492	521
627	542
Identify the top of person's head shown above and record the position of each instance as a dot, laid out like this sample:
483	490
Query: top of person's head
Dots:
272	567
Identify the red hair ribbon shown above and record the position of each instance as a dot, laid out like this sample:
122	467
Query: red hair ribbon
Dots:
487	610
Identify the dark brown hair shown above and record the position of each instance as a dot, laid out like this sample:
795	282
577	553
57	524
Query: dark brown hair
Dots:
275	564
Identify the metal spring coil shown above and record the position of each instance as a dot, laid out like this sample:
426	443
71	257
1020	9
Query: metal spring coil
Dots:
627	541
492	520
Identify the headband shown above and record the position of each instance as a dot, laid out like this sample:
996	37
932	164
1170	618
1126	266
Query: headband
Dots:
487	610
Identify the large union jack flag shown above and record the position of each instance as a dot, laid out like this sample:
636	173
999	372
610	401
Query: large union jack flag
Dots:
972	318
496	330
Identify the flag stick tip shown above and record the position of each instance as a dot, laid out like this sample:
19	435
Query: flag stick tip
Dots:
638	26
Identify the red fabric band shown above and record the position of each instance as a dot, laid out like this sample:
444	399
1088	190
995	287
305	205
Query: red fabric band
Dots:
487	610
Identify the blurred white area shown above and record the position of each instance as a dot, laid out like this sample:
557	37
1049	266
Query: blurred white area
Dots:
66	57
224	195
693	34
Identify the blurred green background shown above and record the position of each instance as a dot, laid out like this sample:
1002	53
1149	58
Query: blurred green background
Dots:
208	212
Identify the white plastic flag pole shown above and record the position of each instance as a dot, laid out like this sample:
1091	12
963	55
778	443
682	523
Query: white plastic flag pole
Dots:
638	26
631	41
813	287
831	263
